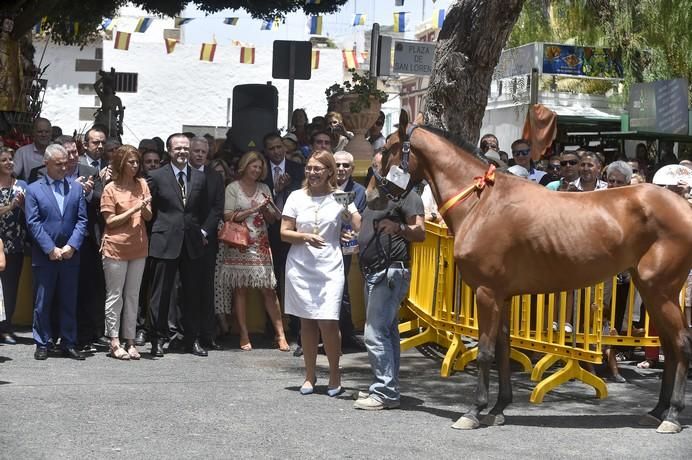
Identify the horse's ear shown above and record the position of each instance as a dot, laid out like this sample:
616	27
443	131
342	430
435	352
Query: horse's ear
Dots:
403	124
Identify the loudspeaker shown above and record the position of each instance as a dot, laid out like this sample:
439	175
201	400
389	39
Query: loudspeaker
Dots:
255	112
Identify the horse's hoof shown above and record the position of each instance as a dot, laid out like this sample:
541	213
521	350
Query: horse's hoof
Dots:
466	422
649	420
493	420
668	427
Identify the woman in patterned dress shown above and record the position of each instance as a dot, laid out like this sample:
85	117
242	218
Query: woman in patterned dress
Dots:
13	234
248	200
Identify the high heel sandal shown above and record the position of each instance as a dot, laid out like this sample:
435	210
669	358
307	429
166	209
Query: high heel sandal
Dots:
119	353
247	346
282	344
132	351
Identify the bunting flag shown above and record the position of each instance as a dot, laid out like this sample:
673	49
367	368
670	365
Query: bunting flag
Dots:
170	45
350	61
400	21
107	24
270	24
315	24
73	27
398	2
359	19
182	21
315	61
231	21
122	41
41	26
207	52
312	2
247	55
438	18
143	24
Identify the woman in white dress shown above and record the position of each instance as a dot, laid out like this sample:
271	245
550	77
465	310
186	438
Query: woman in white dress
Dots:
312	222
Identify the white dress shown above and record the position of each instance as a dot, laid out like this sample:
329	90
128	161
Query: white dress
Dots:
315	277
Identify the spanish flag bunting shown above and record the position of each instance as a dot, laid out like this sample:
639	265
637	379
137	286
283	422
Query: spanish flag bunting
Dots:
182	21
170	45
315	59
359	19
315	24
231	21
122	41
247	55
350	61
398	2
207	52
312	2
270	24
400	20
438	18
143	24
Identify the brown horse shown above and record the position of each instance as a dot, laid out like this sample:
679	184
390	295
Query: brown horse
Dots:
515	237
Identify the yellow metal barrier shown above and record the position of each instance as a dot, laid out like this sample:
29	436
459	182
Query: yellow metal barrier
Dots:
444	311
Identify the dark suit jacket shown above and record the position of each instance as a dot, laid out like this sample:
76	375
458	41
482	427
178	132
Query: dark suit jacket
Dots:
297	173
175	226
86	161
48	227
215	201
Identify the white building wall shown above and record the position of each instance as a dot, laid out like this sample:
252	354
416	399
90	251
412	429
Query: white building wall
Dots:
61	102
179	89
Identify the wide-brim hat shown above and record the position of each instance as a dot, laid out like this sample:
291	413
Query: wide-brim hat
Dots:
672	175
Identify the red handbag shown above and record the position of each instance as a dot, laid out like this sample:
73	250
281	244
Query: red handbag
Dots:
235	235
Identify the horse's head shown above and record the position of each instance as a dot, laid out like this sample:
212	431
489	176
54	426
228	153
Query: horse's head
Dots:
398	169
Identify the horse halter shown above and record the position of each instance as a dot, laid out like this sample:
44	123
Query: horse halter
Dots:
397	183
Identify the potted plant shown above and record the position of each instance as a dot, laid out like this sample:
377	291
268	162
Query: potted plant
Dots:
359	101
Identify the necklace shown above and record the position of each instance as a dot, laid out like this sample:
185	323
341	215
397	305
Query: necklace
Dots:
318	206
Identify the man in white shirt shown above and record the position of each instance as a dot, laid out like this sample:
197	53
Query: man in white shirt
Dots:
30	156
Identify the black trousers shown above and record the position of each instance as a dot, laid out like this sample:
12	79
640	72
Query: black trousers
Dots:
206	294
10	287
144	295
345	319
163	283
91	293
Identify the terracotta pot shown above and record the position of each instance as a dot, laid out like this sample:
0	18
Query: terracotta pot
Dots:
358	123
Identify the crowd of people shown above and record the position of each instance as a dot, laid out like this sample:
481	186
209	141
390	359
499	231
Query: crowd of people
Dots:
125	249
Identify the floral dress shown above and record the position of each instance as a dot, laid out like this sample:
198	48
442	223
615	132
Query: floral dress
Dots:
250	267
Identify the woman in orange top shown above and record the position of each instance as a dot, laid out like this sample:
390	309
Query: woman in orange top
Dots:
125	206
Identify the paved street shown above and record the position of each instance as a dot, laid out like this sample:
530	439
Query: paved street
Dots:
246	405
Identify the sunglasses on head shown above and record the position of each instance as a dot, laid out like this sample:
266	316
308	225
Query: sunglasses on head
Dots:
521	153
569	162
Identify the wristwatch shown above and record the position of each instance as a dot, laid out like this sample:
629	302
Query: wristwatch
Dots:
402	228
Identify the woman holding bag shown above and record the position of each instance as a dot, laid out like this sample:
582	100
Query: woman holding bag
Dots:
248	202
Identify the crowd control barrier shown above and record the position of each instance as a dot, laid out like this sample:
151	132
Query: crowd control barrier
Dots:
440	308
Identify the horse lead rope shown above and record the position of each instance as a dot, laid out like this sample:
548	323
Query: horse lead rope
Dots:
477	186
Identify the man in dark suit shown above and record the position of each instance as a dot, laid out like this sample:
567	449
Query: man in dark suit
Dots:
199	157
94	145
344	182
178	196
285	176
56	217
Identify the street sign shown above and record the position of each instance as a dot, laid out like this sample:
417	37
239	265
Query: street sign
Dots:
413	57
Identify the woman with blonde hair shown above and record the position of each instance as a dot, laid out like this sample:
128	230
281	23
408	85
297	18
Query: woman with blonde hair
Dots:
125	206
248	200
311	222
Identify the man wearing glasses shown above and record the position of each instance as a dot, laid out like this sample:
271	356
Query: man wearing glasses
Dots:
489	142
344	182
521	152
569	171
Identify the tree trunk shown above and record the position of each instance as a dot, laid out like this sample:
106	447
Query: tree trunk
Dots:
469	47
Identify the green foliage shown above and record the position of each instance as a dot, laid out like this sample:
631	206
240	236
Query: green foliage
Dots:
364	86
653	37
61	15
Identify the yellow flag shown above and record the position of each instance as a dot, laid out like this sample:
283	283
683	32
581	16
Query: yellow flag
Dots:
207	52
247	55
350	61
315	59
122	41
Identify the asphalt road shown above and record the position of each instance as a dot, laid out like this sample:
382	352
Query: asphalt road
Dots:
247	405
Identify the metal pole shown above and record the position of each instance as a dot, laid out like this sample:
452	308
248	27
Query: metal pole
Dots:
228	112
374	49
291	81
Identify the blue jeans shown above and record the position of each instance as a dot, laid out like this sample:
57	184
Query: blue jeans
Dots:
384	291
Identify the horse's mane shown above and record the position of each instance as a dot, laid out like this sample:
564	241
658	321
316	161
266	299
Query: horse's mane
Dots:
457	140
